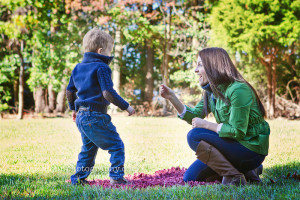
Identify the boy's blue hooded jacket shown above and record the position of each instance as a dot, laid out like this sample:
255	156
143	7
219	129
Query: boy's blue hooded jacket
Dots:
91	85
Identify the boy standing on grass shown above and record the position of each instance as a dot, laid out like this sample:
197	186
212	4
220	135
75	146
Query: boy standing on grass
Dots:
89	92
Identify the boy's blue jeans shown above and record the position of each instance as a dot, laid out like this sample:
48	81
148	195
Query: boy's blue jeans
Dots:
97	131
240	157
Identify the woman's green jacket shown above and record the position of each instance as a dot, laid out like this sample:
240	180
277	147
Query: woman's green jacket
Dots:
242	120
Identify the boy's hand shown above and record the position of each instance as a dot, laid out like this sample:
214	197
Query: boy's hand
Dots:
130	110
74	115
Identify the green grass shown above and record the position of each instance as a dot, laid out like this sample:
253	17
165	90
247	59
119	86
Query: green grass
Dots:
38	155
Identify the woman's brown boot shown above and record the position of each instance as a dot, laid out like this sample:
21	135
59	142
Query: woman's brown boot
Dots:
214	159
252	176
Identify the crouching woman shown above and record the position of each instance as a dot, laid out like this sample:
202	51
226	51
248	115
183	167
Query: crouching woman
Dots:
234	147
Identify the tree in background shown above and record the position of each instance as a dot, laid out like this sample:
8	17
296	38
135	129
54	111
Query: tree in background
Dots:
191	36
54	51
8	79
155	42
266	31
144	33
15	31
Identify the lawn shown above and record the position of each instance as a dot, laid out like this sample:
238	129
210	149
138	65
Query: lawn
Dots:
39	155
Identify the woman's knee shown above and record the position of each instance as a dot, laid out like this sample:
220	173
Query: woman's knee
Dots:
195	134
188	177
196	172
193	138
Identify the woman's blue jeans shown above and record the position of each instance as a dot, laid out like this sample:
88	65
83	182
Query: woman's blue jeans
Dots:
240	157
97	131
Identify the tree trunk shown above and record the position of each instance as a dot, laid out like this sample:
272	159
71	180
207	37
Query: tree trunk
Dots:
274	86
51	94
16	84
270	87
195	41
166	58
39	100
21	92
149	72
118	57
61	98
116	73
270	95
21	83
51	98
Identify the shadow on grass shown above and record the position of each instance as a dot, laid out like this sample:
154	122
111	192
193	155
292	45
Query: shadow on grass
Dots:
54	186
44	186
279	174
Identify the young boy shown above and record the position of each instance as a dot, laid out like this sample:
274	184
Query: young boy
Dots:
89	92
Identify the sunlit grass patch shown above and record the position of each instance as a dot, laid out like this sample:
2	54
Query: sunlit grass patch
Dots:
38	155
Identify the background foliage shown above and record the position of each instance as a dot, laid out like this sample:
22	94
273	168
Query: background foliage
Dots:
159	41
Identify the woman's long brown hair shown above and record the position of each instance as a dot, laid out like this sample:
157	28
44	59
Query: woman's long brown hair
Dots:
221	71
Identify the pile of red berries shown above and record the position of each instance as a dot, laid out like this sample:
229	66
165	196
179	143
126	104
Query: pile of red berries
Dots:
163	178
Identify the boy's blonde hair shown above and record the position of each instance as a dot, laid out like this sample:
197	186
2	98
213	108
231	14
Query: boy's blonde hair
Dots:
95	39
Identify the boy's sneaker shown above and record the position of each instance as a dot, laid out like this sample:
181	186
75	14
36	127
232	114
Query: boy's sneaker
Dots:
118	181
82	182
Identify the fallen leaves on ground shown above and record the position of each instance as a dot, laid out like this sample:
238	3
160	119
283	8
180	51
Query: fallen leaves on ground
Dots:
164	178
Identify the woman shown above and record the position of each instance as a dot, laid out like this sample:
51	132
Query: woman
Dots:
237	144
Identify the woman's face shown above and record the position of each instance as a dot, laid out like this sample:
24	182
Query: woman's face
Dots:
201	72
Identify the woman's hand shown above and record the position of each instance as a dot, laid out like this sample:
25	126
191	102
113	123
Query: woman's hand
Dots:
199	123
169	94
166	92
